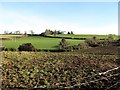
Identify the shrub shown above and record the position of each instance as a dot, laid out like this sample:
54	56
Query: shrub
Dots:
6	49
12	49
63	44
26	47
2	48
83	46
92	42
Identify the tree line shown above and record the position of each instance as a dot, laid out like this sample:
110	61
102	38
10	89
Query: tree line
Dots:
45	33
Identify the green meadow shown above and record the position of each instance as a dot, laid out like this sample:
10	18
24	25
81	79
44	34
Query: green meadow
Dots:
41	42
84	36
38	41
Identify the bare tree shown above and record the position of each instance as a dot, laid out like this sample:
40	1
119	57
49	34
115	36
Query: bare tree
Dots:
32	32
25	33
17	32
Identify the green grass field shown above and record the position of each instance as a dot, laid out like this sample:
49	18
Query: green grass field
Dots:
45	42
38	42
84	36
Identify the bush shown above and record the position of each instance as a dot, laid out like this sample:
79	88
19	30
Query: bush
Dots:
2	48
12	49
94	42
83	46
6	49
26	47
63	44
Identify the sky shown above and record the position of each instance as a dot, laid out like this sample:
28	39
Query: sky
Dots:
79	17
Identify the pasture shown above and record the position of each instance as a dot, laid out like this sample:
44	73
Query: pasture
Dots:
38	41
85	36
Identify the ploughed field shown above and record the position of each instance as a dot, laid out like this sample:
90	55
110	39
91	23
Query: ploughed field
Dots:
29	70
95	68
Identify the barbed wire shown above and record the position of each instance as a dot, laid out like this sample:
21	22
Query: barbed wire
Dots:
112	86
109	70
103	73
92	81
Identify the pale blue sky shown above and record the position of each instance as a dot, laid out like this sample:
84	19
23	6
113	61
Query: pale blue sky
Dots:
79	17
